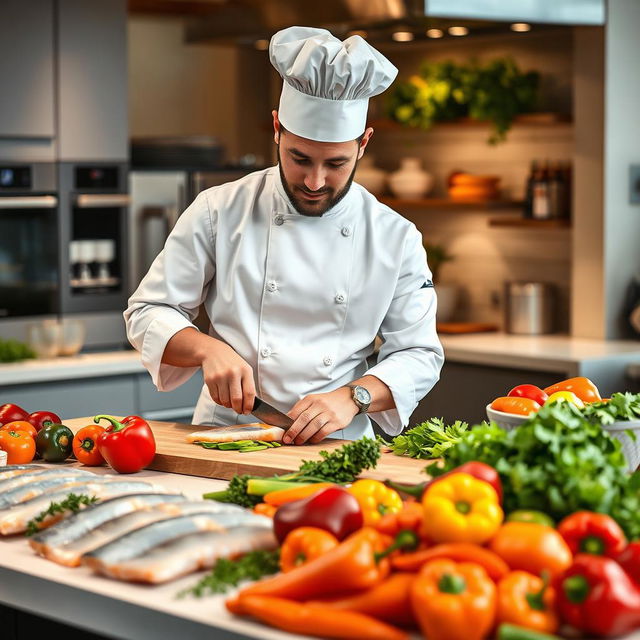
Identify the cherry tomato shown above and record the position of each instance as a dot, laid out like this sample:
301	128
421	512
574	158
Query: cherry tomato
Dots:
40	419
529	391
518	406
565	396
20	425
581	386
19	445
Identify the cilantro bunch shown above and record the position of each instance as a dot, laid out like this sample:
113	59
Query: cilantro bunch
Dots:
621	407
430	439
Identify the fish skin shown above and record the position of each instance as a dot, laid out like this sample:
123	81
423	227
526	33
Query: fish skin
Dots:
11	470
142	540
34	489
15	519
39	474
189	553
251	431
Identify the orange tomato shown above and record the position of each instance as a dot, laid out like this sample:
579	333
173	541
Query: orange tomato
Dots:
581	386
519	406
85	447
21	425
19	445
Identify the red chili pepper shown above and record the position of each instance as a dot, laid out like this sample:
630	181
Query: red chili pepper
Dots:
40	419
127	446
12	413
333	509
597	596
629	560
595	533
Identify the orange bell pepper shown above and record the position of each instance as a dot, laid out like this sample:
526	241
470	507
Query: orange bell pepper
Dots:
282	496
356	563
581	386
513	404
409	518
454	601
85	445
461	508
314	620
528	601
21	425
495	566
532	547
375	500
389	601
303	545
19	445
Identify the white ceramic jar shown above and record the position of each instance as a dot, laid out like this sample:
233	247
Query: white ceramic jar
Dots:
411	181
370	177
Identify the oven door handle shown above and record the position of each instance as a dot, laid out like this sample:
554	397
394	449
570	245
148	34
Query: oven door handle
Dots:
28	202
94	200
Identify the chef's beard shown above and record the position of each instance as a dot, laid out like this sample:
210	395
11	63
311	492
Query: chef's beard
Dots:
308	210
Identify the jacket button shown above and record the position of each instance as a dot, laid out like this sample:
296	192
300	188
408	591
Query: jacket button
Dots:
265	352
346	231
279	220
328	360
272	285
339	298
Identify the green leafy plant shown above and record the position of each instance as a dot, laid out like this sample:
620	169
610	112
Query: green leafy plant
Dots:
437	255
496	91
620	408
14	351
430	439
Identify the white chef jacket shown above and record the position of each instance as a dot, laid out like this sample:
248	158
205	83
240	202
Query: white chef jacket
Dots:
299	298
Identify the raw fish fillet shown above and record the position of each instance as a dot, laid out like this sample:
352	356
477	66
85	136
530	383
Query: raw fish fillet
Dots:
251	431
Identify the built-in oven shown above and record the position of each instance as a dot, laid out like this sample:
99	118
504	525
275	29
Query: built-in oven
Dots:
94	205
29	216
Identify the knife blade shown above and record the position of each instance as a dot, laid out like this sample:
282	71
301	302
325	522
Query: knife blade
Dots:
270	415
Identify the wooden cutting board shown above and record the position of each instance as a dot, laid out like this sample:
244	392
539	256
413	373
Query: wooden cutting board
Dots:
465	327
175	455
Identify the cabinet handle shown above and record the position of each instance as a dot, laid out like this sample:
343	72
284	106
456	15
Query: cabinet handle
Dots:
28	202
93	201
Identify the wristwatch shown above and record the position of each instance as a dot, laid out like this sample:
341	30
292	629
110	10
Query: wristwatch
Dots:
361	397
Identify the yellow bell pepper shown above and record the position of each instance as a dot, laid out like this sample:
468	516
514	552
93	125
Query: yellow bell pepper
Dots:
375	500
461	508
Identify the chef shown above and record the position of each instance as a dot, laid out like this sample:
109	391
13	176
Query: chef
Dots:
299	270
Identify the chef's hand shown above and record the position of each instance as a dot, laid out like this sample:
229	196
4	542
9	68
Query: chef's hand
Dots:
228	377
319	414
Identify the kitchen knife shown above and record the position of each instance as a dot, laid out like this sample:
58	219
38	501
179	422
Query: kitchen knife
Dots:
270	415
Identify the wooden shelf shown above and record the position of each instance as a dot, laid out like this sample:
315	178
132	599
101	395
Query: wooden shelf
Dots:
448	204
555	223
542	119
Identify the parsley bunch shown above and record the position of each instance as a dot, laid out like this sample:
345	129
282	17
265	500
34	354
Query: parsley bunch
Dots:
429	439
621	407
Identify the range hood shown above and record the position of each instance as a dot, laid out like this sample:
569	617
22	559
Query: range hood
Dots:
251	21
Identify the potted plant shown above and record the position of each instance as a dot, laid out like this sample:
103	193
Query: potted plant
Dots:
496	91
447	294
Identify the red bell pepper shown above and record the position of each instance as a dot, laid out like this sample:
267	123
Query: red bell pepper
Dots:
40	419
629	560
595	595
127	446
595	533
333	509
12	413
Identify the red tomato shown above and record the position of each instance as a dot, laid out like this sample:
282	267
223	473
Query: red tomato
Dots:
519	406
529	391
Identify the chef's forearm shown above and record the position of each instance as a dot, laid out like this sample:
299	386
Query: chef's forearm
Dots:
187	348
381	396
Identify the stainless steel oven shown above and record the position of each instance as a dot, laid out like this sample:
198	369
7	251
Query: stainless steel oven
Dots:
29	217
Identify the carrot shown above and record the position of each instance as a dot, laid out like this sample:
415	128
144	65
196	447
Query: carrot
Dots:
282	496
316	620
494	565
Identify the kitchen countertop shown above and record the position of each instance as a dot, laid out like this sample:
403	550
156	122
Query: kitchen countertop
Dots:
560	353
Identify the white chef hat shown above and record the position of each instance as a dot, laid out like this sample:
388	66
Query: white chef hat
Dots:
327	83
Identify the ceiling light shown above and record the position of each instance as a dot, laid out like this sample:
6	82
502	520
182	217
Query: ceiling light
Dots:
402	36
359	32
458	31
261	45
520	27
435	33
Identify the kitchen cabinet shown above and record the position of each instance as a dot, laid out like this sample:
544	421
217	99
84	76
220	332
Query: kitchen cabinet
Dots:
27	69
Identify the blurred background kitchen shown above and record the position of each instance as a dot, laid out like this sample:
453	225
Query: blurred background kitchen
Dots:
511	139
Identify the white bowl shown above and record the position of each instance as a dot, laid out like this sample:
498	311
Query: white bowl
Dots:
506	421
630	448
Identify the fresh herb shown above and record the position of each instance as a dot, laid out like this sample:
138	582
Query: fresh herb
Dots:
557	462
621	407
227	574
243	446
14	351
340	466
429	439
73	502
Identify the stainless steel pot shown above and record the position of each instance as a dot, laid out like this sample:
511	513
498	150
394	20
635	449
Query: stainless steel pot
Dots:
529	307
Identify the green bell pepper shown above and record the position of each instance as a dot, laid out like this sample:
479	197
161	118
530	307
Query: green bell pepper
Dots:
54	442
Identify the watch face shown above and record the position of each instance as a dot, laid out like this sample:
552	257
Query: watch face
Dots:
362	395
